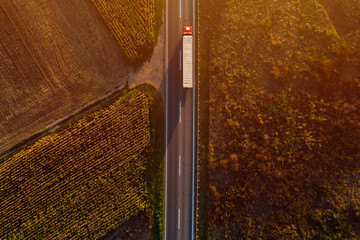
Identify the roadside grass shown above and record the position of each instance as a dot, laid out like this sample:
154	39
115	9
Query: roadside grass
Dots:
155	152
203	147
204	135
209	13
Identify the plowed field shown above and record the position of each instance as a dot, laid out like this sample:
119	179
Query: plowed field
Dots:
55	57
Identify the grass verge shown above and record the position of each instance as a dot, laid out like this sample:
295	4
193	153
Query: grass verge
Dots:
203	138
155	152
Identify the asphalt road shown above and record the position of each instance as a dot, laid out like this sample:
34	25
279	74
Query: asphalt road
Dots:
179	128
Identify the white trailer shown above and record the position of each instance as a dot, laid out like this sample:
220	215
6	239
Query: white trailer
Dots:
187	58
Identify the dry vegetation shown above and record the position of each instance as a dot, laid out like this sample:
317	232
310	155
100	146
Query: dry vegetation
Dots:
284	105
87	179
135	25
344	15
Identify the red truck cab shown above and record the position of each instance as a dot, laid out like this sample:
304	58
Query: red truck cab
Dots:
187	30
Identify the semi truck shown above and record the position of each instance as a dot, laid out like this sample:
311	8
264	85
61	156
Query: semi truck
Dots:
187	57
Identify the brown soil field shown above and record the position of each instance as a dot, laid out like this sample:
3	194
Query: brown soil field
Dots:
56	57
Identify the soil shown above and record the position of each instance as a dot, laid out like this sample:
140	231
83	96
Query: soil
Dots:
152	71
138	227
71	60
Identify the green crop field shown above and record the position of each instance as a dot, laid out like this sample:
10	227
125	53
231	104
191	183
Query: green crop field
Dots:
84	180
135	25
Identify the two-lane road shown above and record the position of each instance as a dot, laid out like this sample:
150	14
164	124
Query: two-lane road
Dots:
179	127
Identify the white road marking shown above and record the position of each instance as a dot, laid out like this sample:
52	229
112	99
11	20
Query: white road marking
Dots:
179	165
180	112
166	113
179	218
180	60
193	137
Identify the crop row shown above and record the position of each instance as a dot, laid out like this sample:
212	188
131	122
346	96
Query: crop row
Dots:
131	22
104	202
17	62
35	179
130	29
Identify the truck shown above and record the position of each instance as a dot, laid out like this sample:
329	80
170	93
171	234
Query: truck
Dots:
187	57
